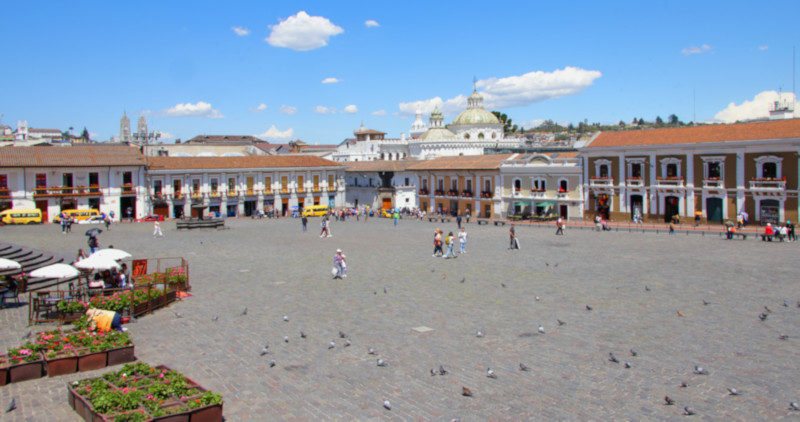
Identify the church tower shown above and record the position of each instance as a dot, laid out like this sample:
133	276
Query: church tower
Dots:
141	128
418	127
437	120
124	128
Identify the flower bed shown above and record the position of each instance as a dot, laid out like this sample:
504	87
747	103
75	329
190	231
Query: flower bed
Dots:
140	392
143	300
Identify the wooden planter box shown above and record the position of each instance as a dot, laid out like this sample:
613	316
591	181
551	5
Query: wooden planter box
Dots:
120	355
210	413
182	413
62	364
79	404
91	360
3	371
26	371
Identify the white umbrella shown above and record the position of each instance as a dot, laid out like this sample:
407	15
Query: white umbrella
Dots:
96	263
113	254
56	271
7	264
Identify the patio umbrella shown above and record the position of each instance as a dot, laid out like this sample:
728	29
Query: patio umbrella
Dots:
7	264
56	271
113	254
93	232
96	263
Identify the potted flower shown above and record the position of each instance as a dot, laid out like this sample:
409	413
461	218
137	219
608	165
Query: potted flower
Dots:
25	362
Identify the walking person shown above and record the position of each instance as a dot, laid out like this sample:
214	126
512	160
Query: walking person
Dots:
338	259
305	223
458	221
559	227
449	240
63	219
396	216
107	222
468	215
324	232
790	230
93	244
462	240
437	243
157	229
514	243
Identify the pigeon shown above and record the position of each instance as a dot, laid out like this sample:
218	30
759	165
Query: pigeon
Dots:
627	365
490	373
272	363
265	350
647	289
244	312
767	309
177	315
783	337
285	318
762	316
699	370
684	384
479	333
331	345
538	298
384	290
387	405
706	303
589	308
687	411
302	334
463	280
734	392
668	401
375	292
612	358
466	392
285	339
27	335
785	304
560	322
794	406
546	264
541	329
215	319
371	351
381	362
634	353
433	372
556	265
503	285
12	405
523	367
348	343
442	371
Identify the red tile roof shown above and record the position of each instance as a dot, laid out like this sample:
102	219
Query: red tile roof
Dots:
779	129
73	156
252	161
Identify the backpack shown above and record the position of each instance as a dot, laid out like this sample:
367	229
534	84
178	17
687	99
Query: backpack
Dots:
448	240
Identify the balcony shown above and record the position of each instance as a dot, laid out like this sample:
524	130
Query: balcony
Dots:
487	194
268	191
424	192
466	194
604	182
538	193
768	184
562	194
634	182
669	182
5	193
128	189
58	191
713	183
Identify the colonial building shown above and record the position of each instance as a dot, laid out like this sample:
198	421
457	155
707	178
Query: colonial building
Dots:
381	184
102	177
457	184
716	171
240	186
542	184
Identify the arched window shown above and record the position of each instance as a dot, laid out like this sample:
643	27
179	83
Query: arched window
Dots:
539	185
769	170
517	185
604	170
672	170
466	136
563	186
480	135
494	135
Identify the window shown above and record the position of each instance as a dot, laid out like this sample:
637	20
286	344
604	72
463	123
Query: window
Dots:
563	185
424	184
3	181
267	184
714	170
331	184
441	184
214	185
636	170
406	182
466	136
41	180
157	187
316	182
517	185
769	170
487	186
284	183
539	185
602	168
249	182
469	185
768	166
301	186
604	171
671	168
195	186
454	184
480	136
231	185
127	178
176	188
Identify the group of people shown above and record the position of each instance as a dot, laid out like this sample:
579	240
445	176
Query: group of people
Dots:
111	279
780	232
449	241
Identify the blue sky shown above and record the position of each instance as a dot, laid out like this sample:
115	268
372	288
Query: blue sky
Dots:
316	70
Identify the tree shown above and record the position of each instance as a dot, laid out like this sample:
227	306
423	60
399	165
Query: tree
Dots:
659	121
640	122
85	135
621	124
673	120
508	127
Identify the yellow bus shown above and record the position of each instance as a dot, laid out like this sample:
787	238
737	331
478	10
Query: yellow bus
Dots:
315	211
76	215
21	216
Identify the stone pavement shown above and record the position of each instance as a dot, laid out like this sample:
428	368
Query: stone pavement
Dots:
273	269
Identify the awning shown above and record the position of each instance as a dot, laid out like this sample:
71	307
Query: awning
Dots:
521	204
544	204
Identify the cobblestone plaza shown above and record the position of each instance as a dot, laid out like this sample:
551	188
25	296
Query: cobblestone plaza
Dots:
420	312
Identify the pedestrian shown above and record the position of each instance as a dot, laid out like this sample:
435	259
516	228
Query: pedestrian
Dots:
63	220
672	227
93	244
344	266
458	221
129	212
107	222
157	229
697	220
468	215
437	243
69	224
324	232
337	263
514	244
305	223
449	241
111	214
559	226
104	320
790	230
396	217
462	240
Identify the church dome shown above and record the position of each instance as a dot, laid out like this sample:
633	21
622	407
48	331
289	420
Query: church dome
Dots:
475	114
437	134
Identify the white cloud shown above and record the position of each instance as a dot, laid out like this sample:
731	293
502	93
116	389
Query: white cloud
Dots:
302	32
514	91
330	81
379	113
763	47
757	108
165	136
351	109
274	134
201	109
260	107
696	50
287	109
324	110
371	23
240	31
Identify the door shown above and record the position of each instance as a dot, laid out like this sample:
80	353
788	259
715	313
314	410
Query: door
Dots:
562	211
670	208
387	203
42	206
714	209
636	207
487	211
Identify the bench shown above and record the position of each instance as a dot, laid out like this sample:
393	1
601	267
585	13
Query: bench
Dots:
733	235
214	223
432	219
445	220
499	223
481	222
769	237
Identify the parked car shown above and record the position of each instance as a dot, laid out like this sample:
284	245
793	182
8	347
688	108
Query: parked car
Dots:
95	219
151	217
